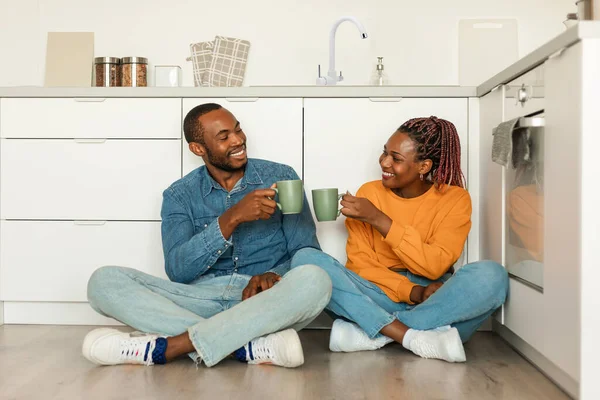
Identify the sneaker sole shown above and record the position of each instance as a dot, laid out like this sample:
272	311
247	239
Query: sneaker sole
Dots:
90	340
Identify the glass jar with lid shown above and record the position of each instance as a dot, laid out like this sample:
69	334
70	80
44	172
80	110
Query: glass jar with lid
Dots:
134	71
107	71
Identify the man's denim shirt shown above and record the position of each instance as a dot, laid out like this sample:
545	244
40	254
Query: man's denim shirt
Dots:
193	244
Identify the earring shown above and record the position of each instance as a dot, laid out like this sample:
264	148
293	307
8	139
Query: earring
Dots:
421	176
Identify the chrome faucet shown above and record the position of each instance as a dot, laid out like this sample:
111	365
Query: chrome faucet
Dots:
332	78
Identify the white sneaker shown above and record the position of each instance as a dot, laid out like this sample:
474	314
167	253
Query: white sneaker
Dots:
348	337
442	343
106	346
280	348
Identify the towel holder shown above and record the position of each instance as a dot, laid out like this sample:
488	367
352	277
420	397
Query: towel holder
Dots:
531	122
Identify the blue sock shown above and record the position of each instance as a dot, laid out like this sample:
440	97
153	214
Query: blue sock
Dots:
241	354
158	354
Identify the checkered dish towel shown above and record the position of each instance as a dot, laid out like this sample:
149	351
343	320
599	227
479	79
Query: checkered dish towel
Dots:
221	62
201	58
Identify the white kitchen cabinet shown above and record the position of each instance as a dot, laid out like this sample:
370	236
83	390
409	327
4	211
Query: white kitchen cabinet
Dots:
103	118
53	260
590	218
273	129
343	139
487	192
86	179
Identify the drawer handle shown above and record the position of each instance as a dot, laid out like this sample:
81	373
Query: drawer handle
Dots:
89	222
90	141
385	99
89	99
242	99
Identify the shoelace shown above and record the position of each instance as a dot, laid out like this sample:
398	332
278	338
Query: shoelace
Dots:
261	350
134	350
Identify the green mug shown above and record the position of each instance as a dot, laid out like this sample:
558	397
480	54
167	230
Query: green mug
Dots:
290	195
325	203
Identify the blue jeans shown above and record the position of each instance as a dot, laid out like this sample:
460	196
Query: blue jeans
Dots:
210	308
465	301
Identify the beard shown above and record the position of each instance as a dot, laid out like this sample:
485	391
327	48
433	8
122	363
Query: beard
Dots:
222	162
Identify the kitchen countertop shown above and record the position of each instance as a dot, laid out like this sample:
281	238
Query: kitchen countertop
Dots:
381	92
583	30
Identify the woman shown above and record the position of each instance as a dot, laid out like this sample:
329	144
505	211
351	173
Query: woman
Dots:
405	232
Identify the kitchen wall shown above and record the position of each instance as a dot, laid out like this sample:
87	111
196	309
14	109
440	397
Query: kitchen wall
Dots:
418	39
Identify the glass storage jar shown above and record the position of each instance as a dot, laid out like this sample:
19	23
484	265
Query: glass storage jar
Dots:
134	71
107	71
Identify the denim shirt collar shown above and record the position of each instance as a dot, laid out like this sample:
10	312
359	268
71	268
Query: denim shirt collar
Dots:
251	177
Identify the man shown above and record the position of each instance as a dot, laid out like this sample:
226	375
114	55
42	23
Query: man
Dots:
227	253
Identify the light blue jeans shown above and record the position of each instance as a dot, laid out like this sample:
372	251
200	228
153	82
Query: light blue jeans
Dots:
465	301
210	309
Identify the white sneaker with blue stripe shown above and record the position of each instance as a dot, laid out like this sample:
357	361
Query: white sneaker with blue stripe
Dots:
281	348
106	346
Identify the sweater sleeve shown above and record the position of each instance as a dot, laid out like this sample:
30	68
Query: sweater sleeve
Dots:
363	261
432	259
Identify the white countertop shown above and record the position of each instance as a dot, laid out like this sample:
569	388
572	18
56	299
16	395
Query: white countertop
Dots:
381	92
583	30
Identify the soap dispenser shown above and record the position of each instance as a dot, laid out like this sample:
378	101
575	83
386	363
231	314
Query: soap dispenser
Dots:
379	76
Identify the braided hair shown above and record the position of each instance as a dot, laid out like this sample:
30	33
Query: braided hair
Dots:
436	139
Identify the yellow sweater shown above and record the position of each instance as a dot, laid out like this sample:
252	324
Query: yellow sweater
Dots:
427	236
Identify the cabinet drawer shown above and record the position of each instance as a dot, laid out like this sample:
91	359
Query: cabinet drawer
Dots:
86	179
53	260
90	118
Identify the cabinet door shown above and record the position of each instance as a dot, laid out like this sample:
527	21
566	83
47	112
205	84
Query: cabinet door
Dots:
590	224
491	189
53	260
90	118
89	179
491	183
343	139
273	128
